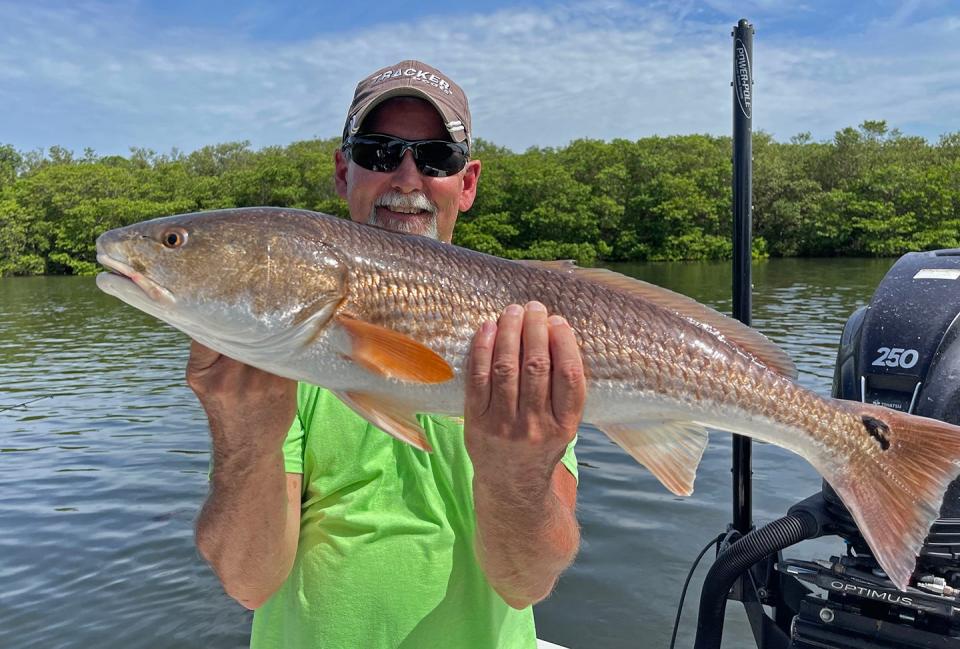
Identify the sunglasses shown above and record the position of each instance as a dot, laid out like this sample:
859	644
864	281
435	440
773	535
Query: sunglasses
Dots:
376	152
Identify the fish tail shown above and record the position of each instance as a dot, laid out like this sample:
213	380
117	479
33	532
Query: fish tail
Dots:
896	492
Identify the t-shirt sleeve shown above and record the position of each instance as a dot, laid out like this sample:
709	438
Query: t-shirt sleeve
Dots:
293	447
569	459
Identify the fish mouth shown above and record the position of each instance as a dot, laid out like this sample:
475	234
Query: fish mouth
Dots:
122	277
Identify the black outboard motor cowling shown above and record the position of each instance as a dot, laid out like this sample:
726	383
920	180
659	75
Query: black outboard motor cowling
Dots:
902	351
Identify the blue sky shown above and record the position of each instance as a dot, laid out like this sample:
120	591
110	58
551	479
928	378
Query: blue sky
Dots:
184	74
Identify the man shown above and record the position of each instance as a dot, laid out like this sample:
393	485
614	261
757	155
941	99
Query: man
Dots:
341	536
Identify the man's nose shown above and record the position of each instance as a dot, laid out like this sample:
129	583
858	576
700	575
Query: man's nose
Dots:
406	178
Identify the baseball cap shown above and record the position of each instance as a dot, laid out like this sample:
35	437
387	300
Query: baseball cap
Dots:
411	79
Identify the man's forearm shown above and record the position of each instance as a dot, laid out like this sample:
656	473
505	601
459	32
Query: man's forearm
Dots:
249	526
245	530
525	539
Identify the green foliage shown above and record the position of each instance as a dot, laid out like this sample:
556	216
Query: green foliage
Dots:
869	190
53	205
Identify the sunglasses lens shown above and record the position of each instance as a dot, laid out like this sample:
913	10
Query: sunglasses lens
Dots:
435	158
375	154
438	158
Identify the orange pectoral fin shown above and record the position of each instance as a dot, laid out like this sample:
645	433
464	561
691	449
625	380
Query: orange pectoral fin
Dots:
392	354
390	417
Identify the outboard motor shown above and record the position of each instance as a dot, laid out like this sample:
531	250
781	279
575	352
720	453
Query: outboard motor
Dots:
901	351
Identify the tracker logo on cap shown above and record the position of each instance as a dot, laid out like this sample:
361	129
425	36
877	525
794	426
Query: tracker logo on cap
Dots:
424	76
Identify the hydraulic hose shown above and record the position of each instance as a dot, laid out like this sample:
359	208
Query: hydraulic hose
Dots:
736	559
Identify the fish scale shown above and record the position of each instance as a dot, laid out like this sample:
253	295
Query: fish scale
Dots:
385	321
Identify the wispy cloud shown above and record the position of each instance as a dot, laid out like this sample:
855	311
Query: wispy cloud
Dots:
99	75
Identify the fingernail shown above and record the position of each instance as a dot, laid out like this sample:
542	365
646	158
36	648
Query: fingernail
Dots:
535	306
514	309
488	327
556	320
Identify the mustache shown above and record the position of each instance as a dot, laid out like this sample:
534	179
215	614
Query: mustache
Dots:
412	201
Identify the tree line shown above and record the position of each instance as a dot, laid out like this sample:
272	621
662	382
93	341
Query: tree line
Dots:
870	191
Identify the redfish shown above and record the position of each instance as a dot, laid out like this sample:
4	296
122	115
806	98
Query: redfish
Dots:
385	321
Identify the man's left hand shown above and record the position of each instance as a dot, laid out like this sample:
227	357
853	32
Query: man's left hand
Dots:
525	397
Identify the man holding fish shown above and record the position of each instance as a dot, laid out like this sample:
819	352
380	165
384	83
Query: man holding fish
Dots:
341	536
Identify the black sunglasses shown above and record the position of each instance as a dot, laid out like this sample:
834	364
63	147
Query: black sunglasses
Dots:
376	152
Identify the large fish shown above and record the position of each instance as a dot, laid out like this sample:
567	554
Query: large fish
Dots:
385	321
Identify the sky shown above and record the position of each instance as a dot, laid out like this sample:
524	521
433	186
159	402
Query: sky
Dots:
165	74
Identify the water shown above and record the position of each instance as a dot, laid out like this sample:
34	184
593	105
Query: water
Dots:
102	477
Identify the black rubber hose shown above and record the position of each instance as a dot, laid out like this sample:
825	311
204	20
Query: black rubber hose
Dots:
737	559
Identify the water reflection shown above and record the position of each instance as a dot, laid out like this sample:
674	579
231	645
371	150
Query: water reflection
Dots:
102	475
82	562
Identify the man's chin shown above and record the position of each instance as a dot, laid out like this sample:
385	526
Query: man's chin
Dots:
423	225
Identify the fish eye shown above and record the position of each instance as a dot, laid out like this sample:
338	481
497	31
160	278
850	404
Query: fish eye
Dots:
174	238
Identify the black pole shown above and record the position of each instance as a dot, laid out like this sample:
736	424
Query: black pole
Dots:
742	242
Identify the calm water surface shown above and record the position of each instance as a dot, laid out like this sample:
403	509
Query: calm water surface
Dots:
102	476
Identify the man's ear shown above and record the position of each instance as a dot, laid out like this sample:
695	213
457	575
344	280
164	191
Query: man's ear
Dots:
340	166
471	175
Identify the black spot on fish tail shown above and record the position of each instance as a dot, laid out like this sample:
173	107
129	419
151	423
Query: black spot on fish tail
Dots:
878	430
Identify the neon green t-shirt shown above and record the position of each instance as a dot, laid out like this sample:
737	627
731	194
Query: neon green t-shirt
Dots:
386	552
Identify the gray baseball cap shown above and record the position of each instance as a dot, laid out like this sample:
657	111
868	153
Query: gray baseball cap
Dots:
411	79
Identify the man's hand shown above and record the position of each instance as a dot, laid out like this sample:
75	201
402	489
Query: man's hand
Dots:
524	401
249	527
525	396
245	406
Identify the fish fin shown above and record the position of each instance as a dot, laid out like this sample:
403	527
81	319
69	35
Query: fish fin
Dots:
393	354
896	494
670	449
750	340
389	416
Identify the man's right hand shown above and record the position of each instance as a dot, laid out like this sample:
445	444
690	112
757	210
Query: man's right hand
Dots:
246	406
249	527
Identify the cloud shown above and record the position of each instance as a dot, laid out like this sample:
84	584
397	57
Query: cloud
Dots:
90	74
